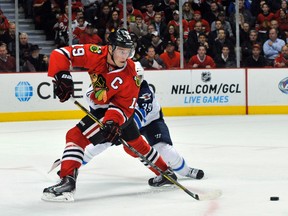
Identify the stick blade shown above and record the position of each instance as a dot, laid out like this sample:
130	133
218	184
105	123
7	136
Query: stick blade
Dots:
56	163
210	195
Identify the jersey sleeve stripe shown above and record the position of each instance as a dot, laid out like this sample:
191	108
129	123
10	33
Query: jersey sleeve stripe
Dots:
65	53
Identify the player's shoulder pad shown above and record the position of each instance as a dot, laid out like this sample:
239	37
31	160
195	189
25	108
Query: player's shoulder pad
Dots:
144	84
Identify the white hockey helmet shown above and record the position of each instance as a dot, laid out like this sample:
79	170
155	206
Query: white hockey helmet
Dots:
139	70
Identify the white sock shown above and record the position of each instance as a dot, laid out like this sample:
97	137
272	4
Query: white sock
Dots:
91	150
172	158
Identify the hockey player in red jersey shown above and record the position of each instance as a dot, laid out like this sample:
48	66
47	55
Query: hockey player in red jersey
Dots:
115	91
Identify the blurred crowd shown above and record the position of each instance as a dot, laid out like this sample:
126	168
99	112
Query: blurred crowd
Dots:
209	29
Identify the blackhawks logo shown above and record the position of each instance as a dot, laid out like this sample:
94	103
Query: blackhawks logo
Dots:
95	49
99	87
137	81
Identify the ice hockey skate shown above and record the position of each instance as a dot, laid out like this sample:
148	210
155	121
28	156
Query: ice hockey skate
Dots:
160	180
195	173
63	191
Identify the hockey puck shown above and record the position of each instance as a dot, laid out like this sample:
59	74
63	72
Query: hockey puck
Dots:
274	198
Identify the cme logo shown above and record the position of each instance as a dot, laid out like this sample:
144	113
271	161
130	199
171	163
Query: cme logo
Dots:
23	91
283	85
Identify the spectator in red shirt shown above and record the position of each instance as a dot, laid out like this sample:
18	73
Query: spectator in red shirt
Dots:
281	61
282	8
7	62
201	60
131	12
149	15
198	17
171	58
90	36
79	30
4	23
263	21
283	21
176	23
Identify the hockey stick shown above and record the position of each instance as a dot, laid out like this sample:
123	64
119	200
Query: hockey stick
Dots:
194	195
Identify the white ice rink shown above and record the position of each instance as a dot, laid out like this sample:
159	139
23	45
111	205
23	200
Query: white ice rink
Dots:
246	157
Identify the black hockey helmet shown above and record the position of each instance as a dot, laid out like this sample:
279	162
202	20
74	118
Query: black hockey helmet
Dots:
121	38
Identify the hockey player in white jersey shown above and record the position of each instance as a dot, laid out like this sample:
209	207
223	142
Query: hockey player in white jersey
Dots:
149	119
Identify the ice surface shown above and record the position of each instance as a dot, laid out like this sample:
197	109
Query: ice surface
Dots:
245	157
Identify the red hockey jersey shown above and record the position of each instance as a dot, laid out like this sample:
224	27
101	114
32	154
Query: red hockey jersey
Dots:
117	88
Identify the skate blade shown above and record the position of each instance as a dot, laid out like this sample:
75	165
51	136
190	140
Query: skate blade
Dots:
65	197
163	186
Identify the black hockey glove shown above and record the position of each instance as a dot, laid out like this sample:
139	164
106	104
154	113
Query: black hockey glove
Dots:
63	85
111	131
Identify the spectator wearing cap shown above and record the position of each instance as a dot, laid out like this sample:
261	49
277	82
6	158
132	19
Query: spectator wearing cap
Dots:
170	57
225	24
90	36
281	61
168	12
36	62
176	23
272	47
201	60
157	43
7	62
255	60
159	25
139	27
198	17
131	12
151	60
